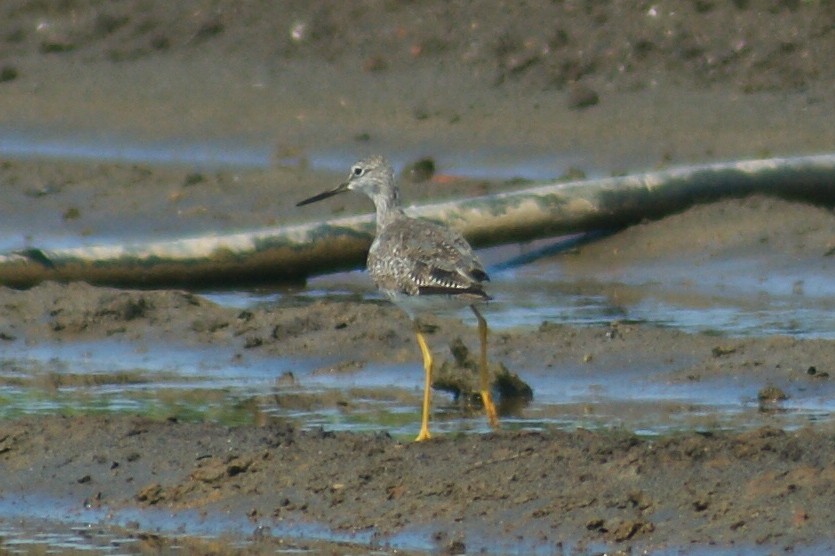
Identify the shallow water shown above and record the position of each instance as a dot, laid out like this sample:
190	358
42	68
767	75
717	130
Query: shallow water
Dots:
496	163
642	395
227	385
58	144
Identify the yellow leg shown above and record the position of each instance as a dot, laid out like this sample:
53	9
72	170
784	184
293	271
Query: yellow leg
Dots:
427	384
489	408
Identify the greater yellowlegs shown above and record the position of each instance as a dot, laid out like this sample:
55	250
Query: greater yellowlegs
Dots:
420	266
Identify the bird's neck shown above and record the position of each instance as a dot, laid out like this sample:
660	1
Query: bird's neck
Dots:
388	209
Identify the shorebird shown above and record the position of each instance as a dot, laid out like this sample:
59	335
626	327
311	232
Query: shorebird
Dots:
421	267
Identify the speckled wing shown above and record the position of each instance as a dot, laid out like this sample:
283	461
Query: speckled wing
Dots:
417	257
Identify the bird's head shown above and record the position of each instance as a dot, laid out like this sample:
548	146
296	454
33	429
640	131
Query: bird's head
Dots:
372	176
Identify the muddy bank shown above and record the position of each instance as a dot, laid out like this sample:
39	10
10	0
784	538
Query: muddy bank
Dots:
574	491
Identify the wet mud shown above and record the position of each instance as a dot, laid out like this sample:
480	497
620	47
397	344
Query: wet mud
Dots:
521	491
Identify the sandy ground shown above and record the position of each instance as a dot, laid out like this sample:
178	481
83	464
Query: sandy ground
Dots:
616	88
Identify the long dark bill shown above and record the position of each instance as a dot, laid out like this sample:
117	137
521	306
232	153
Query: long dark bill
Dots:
342	187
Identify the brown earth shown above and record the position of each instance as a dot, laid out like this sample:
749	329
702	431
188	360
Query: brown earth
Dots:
577	489
619	87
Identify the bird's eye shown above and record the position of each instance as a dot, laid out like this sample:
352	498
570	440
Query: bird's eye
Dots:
358	171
